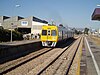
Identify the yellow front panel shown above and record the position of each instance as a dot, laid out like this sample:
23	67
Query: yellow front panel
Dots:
49	37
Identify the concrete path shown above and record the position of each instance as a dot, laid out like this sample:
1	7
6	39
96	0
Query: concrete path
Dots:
91	58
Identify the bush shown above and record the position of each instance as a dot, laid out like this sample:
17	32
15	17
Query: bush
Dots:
1	27
17	35
5	35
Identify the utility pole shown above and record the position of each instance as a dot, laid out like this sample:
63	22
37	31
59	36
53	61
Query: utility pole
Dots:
11	32
12	24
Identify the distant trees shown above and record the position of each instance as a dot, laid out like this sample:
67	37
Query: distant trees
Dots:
86	30
1	27
61	25
78	32
5	35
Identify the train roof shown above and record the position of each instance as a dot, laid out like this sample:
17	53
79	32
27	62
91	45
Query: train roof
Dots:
59	27
49	26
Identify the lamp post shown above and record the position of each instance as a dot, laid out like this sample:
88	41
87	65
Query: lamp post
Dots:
12	24
11	31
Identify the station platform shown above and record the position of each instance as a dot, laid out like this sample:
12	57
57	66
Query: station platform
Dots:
15	49
90	62
19	42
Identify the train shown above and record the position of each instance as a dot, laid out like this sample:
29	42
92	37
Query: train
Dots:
51	34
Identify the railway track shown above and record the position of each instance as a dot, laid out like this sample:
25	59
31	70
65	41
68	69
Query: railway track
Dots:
59	63
16	63
9	67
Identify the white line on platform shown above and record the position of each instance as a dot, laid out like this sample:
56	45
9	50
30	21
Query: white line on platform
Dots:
94	61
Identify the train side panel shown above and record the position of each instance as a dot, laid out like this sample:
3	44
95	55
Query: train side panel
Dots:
62	33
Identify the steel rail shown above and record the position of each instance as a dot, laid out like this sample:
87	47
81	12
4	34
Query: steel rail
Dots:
42	67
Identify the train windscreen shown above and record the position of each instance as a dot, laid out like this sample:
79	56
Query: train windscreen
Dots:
44	32
53	33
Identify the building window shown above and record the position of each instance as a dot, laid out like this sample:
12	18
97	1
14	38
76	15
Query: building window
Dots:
39	20
24	23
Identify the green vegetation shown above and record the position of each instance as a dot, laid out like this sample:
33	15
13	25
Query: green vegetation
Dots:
1	27
86	30
78	32
5	35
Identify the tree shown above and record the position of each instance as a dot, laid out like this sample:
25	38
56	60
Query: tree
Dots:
78	32
1	27
61	25
5	35
86	30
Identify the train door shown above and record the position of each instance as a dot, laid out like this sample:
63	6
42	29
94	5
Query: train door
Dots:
48	34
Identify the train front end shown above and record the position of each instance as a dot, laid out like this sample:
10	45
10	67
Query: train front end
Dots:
49	36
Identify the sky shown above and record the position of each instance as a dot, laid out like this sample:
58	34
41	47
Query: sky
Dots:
71	13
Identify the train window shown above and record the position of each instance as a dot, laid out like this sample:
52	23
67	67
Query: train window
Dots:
53	32
44	32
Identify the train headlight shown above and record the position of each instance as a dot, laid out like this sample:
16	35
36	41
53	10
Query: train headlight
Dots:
54	38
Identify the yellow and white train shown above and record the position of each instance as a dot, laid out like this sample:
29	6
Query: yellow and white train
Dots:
50	35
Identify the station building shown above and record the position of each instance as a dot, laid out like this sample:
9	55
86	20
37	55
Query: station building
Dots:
27	25
2	18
